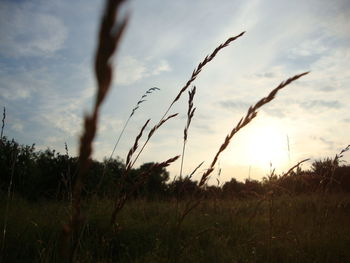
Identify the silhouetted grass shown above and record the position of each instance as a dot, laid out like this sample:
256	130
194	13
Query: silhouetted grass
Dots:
308	228
311	228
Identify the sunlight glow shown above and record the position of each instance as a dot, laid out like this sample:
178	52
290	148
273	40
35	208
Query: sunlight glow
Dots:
267	144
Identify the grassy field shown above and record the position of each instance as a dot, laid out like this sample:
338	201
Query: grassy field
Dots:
290	229
295	228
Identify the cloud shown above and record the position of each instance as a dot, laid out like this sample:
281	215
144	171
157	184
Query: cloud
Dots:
278	112
310	47
162	67
22	84
335	104
27	32
329	143
64	120
234	104
327	88
17	127
204	128
131	70
266	75
326	141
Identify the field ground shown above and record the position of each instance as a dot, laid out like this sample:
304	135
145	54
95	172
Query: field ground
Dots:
290	229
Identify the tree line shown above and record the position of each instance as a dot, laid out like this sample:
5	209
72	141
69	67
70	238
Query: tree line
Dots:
48	174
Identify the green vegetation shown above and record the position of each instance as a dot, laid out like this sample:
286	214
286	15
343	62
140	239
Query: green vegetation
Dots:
48	175
305	228
293	218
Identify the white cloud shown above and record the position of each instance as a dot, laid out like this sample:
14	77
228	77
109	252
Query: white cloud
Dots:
70	123
162	67
22	84
17	127
27	32
131	70
308	48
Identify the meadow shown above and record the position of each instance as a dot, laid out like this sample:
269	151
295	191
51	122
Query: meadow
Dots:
306	228
58	208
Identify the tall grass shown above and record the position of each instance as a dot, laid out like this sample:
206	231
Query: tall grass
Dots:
108	41
72	236
13	159
306	229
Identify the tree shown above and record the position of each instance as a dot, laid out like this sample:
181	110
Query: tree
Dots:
232	188
155	182
183	187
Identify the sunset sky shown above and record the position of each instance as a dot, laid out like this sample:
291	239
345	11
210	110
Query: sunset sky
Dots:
47	81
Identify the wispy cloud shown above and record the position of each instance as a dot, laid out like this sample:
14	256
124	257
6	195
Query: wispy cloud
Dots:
22	84
266	75
131	70
17	126
327	88
27	32
329	144
321	104
234	104
310	47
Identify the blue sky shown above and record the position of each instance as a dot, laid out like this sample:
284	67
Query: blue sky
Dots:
47	83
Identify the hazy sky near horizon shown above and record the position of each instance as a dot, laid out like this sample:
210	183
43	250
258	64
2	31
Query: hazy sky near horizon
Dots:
47	81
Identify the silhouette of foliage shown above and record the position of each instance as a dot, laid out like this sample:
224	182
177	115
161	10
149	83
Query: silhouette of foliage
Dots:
48	174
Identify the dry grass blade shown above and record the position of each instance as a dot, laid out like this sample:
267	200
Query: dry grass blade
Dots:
156	127
108	40
14	158
273	182
251	114
199	68
9	189
182	188
134	148
329	177
149	91
194	75
143	97
295	166
195	170
340	155
166	163
121	200
190	113
3	122
109	37
150	134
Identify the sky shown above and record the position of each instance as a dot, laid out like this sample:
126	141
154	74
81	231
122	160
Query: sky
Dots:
47	82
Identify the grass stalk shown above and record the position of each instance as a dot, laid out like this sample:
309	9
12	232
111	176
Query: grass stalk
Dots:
108	40
251	114
190	113
3	122
9	190
121	199
193	77
143	99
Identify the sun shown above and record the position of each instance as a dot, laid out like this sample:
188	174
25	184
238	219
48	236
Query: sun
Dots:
267	143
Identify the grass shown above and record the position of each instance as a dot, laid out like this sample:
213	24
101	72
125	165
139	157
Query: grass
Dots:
284	229
306	229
